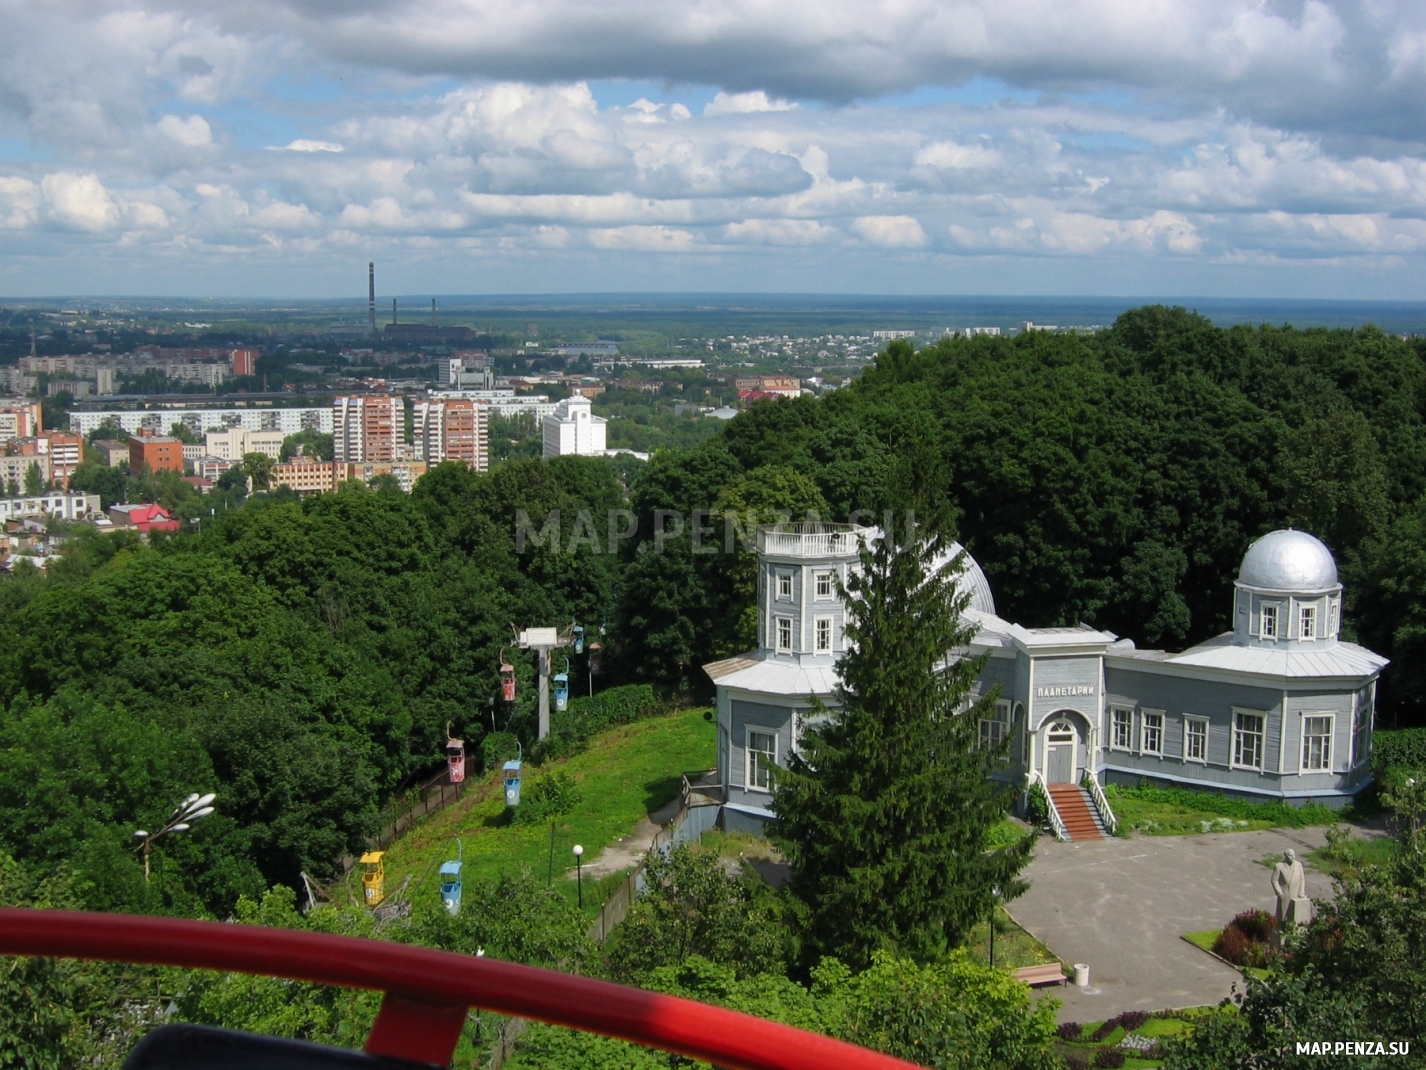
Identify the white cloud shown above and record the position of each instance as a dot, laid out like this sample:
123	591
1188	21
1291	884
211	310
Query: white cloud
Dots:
890	231
191	132
744	104
79	201
780	232
303	144
20	201
642	239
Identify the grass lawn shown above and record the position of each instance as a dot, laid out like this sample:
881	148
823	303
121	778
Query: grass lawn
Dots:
624	774
1347	858
1206	938
1014	947
1179	811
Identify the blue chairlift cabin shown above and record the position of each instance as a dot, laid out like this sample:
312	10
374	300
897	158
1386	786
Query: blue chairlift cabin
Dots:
579	638
451	883
562	689
512	783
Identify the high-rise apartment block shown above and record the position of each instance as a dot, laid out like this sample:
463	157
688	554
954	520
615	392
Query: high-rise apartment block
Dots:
20	418
367	428
66	453
452	429
244	361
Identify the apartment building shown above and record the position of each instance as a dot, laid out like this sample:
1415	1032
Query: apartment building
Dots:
59	506
20	418
159	452
288	421
304	476
452	429
367	428
15	469
237	442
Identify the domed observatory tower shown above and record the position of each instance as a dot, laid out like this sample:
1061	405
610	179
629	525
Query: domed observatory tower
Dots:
1279	707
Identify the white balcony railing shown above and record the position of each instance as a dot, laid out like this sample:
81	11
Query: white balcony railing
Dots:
813	540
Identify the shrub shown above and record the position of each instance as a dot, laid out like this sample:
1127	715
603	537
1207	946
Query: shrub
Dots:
1069	1030
1131	1020
499	747
1037	807
1075	1061
1255	924
1232	944
1109	1058
1403	748
551	795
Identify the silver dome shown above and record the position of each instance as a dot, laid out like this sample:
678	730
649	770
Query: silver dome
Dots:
1289	561
970	580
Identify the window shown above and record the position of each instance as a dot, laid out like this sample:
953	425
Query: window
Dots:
993	730
825	588
1151	735
1121	730
784	586
824	634
1361	728
1269	627
762	756
1317	743
784	633
1332	622
1195	739
1308	630
1248	740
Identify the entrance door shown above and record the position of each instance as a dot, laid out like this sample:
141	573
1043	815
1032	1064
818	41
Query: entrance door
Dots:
1059	753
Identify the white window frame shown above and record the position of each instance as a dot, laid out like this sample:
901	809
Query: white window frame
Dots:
1114	744
994	730
1188	723
817	579
1264	610
781	626
748	751
1145	728
784	578
1332	619
1307	632
1361	727
1331	719
817	623
1239	731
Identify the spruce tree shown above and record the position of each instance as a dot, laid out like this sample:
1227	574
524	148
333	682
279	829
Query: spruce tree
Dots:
885	813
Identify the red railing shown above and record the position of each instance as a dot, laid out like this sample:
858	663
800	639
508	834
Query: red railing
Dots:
429	992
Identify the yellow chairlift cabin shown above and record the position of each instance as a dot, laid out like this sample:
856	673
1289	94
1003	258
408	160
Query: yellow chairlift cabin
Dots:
373	877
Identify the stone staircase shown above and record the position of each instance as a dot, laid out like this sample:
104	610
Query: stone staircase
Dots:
1078	812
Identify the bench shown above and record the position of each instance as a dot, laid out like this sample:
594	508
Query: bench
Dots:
1049	973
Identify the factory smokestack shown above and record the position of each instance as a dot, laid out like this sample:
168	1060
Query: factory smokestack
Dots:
393	310
433	312
371	294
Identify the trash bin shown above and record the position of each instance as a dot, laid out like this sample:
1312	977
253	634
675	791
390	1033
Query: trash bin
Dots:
1081	974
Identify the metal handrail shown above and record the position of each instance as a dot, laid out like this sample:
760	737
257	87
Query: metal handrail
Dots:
427	992
1056	822
1101	800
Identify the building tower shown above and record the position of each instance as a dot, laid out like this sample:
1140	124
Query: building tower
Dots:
371	294
452	429
365	428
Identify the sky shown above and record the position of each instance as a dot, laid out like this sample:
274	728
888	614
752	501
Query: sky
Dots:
271	148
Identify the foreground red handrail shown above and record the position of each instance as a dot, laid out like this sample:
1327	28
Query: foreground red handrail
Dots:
428	992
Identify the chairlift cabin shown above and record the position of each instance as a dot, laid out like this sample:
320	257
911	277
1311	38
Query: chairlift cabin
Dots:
455	757
512	783
507	679
579	638
451	883
373	877
561	690
596	659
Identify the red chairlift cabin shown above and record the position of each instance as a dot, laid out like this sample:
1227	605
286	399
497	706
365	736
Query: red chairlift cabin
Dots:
507	678
455	757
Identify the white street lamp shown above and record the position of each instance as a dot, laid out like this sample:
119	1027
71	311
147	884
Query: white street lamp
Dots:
579	872
191	809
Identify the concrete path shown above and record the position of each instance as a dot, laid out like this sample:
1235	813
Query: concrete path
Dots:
1120	906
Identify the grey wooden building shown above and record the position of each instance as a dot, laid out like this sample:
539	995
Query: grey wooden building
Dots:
1278	708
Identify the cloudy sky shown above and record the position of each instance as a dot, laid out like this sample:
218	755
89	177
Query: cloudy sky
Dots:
272	147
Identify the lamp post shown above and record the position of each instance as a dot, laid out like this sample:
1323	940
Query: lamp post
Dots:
579	872
188	811
994	898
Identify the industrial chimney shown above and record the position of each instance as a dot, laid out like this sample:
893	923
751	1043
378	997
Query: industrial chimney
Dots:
371	294
433	312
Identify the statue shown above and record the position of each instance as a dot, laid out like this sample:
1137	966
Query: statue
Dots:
1289	884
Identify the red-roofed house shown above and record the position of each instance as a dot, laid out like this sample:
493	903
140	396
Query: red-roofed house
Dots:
143	517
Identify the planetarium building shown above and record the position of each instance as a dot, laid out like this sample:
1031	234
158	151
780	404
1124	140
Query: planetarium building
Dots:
1278	708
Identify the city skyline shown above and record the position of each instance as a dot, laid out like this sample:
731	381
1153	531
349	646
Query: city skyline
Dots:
1231	148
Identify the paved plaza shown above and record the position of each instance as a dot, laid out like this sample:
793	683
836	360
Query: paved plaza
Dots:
1120	906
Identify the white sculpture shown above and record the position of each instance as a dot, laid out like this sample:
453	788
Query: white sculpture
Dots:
1289	883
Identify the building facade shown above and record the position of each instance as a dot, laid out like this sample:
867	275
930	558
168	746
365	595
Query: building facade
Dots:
367	428
1279	708
573	428
59	506
199	421
20	418
159	452
237	442
452	429
15	468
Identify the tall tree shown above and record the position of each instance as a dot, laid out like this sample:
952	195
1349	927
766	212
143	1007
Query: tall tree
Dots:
886	810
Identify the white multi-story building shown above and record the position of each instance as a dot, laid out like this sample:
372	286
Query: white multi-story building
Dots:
288	421
503	402
60	506
573	428
237	442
